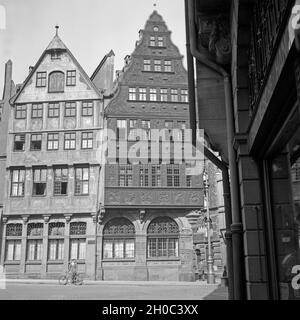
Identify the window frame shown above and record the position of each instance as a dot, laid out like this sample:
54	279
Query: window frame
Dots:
68	139
43	172
54	107
23	135
53	141
70	107
59	179
57	89
81	182
21	111
41	79
32	141
37	110
86	107
87	139
71	78
18	182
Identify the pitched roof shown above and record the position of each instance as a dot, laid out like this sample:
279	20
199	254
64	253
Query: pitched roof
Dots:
111	53
55	44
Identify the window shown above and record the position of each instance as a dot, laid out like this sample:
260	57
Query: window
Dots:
78	240
19	142
70	141
163	238
163	94
17	182
147	65
132	124
132	94
81	181
87	109
121	129
160	41
143	94
125	175
155	29
13	242
37	111
168	66
53	110
146	125
39	182
41	79
152	41
173	175
56	241
70	109
157	65
21	112
133	134
144	178
53	141
188	181
184	96
119	239
56	82
174	95
36	142
55	55
155	176
61	181
153	95
71	78
182	127
35	241
87	140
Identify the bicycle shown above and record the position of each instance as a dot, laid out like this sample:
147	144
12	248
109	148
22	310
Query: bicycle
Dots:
70	278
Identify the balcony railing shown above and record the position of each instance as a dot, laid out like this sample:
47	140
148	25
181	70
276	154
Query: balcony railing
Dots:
269	19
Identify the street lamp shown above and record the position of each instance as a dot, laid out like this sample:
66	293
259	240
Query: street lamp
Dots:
208	221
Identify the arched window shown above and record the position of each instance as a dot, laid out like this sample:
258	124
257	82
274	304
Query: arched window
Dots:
78	240
119	239
163	238
13	242
56	81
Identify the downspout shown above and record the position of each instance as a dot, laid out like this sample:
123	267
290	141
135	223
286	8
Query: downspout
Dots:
236	227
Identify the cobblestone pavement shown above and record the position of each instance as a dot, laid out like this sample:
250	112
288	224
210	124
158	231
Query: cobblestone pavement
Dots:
113	291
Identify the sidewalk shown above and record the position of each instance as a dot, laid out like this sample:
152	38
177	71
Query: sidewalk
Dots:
132	283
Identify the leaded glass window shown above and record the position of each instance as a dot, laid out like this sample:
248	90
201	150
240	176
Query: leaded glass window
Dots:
163	238
78	228
119	239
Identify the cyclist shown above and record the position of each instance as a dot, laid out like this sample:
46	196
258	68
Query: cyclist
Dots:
73	269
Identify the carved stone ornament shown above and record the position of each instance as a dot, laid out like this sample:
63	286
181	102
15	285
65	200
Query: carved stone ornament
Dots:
142	214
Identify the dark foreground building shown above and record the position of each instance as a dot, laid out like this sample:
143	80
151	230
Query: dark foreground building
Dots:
248	102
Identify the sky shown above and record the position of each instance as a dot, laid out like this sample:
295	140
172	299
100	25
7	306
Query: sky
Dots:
89	28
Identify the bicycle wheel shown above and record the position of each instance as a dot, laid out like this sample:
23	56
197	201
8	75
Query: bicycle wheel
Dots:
63	280
78	281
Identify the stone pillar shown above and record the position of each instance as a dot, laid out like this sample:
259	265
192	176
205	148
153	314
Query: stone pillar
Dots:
140	270
61	115
78	114
45	246
45	115
3	244
99	246
24	245
67	241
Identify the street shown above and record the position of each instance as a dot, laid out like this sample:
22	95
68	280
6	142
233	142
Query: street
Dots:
113	291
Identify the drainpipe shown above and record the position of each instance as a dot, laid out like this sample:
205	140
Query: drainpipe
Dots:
236	227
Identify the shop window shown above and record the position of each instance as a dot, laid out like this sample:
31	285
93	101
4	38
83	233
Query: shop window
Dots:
78	240
19	142
13	242
119	239
56	82
61	181
56	241
34	241
163	238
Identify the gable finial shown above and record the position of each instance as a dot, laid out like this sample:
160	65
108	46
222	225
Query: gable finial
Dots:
56	27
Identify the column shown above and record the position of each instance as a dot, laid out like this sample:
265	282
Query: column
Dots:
61	115
24	245
140	270
45	114
100	226
67	241
45	246
2	258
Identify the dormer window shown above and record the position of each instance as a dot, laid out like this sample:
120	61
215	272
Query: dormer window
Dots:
56	81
